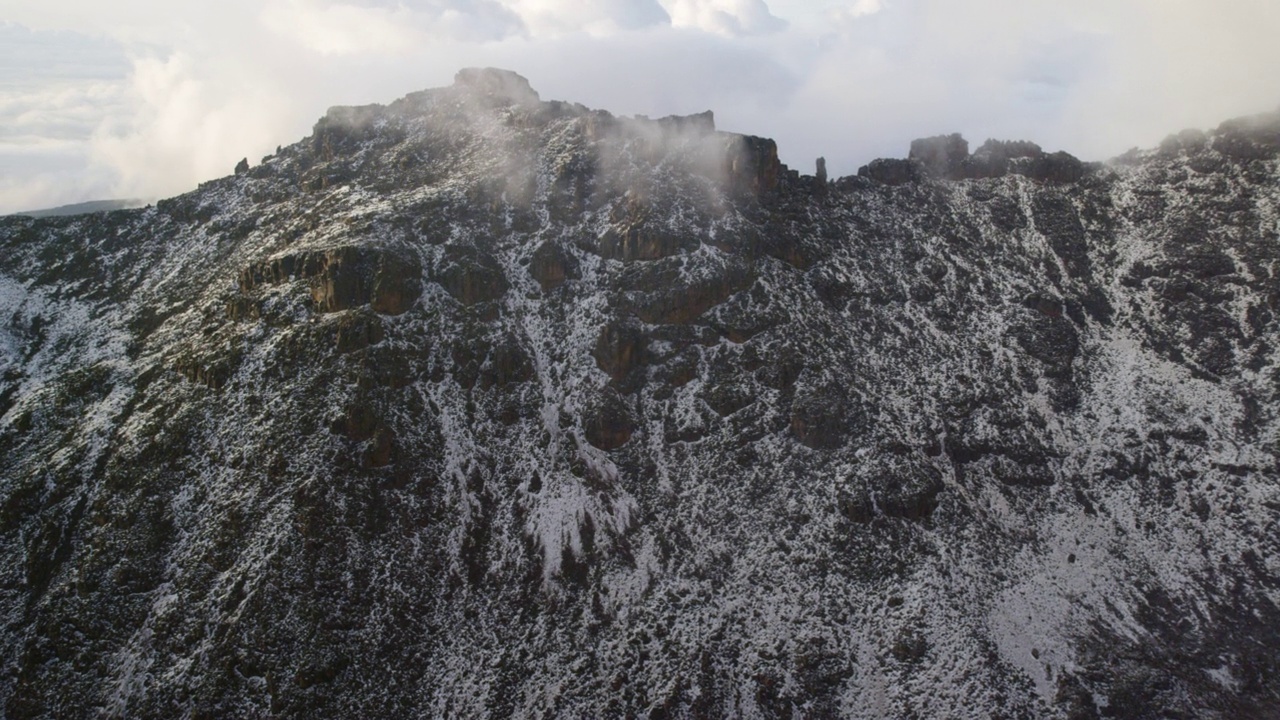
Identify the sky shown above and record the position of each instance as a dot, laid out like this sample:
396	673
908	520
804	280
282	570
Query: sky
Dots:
147	98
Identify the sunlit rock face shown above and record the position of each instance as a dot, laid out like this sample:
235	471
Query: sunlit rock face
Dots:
476	405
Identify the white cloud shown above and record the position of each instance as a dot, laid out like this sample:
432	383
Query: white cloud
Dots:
547	18
349	28
725	17
184	128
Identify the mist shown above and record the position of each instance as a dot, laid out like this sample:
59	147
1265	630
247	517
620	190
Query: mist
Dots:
146	99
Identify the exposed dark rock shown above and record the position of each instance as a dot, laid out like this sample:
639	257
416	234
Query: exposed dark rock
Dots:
1049	338
891	172
506	363
942	156
342	278
357	331
609	424
821	418
1058	167
703	123
681	294
993	158
471	276
1006	214
552	265
1249	138
751	164
638	242
1056	218
620	350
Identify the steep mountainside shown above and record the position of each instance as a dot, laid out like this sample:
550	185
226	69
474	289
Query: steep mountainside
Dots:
477	405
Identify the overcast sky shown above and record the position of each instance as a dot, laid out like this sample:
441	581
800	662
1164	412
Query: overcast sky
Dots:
146	98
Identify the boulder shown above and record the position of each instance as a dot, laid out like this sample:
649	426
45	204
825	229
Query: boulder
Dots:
1057	219
1249	138
507	363
677	293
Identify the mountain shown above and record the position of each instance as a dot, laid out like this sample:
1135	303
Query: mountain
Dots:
476	405
92	206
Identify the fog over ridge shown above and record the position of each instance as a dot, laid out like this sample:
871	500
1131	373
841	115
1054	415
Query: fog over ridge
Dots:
146	99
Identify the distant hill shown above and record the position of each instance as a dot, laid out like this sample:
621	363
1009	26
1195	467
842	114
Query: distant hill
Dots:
92	206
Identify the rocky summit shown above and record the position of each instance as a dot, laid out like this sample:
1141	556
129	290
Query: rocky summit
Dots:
478	405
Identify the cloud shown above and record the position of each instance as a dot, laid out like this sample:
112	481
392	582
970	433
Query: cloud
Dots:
185	127
548	18
725	17
148	97
348	28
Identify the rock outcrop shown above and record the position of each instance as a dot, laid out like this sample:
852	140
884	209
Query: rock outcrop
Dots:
946	157
339	279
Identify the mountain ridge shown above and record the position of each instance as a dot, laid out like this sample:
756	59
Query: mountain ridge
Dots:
479	405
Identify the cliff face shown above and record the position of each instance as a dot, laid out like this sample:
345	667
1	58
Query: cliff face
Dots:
477	405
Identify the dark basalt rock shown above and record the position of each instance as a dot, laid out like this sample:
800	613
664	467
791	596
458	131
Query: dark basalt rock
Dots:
506	363
340	279
946	157
1249	138
891	172
703	123
609	424
943	156
751	165
1057	219
471	276
1058	167
1049	338
681	293
620	350
552	266
638	242
994	157
357	331
822	418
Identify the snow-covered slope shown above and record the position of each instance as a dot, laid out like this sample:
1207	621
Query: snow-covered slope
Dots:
475	405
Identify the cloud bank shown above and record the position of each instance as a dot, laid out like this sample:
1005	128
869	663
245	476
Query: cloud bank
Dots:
141	98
